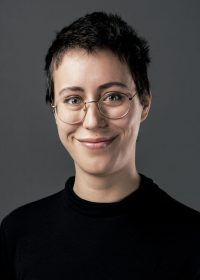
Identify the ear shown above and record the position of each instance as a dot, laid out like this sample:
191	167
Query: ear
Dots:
53	112
146	106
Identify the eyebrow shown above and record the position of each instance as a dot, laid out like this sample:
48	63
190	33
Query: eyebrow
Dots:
100	88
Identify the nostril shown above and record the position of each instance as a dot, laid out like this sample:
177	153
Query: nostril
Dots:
93	118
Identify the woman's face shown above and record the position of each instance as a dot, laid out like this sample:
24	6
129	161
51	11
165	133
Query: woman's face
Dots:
90	76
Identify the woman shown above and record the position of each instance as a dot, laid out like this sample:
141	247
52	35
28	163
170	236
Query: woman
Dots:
110	221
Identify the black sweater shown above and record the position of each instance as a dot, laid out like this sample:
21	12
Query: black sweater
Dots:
147	235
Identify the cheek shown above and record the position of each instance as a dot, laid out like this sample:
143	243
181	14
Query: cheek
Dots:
129	128
65	133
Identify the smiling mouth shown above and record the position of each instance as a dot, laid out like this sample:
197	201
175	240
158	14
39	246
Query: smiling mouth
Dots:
97	143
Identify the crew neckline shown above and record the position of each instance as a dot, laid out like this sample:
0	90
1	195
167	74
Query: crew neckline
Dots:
130	202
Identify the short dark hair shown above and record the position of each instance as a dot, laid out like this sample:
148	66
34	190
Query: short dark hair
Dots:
96	31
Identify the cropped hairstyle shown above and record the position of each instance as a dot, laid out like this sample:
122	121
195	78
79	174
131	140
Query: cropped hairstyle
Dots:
101	31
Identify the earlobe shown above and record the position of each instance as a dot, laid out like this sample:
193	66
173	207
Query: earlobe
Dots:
146	107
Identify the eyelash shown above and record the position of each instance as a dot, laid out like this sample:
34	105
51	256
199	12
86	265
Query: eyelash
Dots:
79	97
71	97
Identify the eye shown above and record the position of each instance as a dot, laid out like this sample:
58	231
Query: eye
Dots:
114	97
73	100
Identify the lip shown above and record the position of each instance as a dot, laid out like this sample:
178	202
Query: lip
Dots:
96	140
97	143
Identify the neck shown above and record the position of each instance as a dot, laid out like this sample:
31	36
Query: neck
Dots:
106	188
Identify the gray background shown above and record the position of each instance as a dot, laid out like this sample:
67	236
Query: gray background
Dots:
33	163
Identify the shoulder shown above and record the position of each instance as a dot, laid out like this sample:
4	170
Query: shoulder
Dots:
32	213
177	207
166	208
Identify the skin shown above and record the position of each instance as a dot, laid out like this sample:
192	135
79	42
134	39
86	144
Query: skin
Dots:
107	174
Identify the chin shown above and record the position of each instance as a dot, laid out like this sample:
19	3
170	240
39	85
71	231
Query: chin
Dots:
96	169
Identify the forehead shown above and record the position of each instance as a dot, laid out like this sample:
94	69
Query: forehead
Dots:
80	68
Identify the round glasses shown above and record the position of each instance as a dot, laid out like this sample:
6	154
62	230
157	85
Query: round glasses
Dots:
112	105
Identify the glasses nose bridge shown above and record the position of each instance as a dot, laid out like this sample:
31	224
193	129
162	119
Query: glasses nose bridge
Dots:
91	101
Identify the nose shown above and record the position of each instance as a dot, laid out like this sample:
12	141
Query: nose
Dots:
93	118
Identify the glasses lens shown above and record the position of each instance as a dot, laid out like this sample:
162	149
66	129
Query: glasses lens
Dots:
71	110
114	105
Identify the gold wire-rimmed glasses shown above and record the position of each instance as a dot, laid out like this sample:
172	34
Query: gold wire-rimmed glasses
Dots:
112	105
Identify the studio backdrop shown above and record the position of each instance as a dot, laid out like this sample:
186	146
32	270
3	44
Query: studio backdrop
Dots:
33	163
